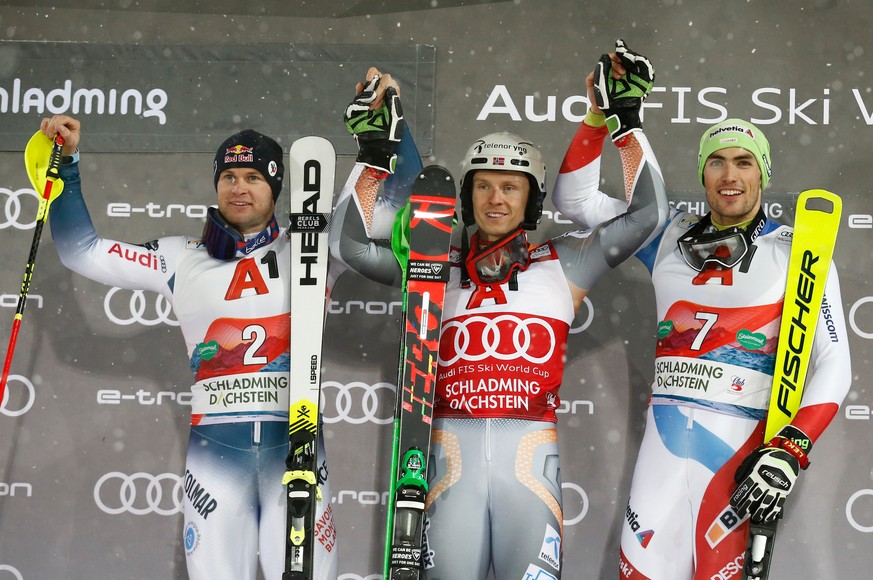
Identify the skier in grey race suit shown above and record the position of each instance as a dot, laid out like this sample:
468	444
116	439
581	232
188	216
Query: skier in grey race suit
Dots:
230	293
494	499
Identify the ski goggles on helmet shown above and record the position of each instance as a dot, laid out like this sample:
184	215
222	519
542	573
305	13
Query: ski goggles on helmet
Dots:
725	248
496	263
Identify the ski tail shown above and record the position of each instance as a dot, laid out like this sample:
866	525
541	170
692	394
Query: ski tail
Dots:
312	167
816	224
427	228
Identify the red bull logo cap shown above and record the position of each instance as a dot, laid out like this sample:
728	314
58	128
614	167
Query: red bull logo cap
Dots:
249	148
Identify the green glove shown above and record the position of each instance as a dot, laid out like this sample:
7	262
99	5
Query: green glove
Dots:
622	99
378	132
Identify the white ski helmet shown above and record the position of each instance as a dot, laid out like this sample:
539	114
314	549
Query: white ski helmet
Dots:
505	152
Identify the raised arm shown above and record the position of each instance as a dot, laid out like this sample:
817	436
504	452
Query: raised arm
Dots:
79	246
387	160
577	193
620	82
588	255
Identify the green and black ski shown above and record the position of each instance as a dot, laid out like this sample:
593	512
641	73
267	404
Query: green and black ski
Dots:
424	254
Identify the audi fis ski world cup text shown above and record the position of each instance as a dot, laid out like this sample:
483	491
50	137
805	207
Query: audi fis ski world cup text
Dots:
768	105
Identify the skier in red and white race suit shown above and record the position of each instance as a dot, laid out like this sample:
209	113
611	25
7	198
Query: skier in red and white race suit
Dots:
229	290
719	285
494	500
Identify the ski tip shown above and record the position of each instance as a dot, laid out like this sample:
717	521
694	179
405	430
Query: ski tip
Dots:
311	142
311	138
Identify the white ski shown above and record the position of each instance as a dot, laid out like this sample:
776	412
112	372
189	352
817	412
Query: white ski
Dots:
311	170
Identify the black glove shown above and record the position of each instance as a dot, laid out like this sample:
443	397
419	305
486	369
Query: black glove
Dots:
378	132
622	99
766	477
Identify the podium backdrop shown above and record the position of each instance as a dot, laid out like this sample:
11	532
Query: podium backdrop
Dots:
94	426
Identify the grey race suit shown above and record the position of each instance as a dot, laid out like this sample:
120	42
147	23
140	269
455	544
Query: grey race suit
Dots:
495	490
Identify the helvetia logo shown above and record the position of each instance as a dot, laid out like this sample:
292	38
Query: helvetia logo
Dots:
645	537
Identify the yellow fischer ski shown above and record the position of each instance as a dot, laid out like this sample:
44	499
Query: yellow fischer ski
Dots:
816	223
815	234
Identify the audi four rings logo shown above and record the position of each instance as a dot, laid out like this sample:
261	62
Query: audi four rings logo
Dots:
853	317
14	571
139	493
850	510
12	209
13	406
584	326
582	502
358	403
135	311
504	337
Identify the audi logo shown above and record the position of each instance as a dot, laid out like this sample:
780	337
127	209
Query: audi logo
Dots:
584	326
14	571
850	505
853	314
12	209
7	397
139	493
136	309
358	403
504	337
583	503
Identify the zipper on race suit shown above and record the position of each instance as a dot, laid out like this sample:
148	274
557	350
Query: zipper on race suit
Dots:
256	432
488	439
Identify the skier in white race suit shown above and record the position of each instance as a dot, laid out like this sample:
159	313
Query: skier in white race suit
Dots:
229	289
719	284
494	499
